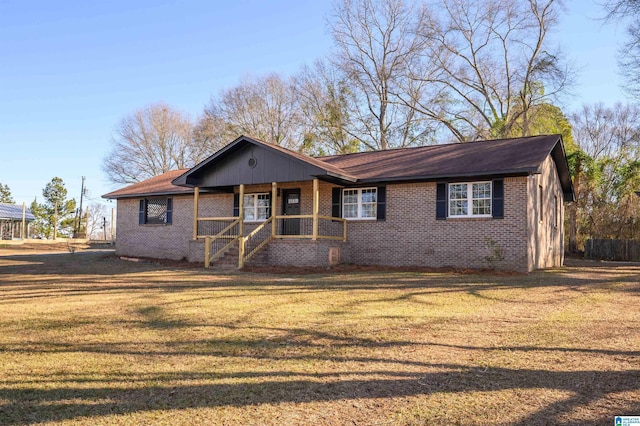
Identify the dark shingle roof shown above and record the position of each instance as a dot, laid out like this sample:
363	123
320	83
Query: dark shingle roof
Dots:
503	156
517	156
14	212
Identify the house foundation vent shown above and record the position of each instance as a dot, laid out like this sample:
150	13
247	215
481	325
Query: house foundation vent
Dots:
334	256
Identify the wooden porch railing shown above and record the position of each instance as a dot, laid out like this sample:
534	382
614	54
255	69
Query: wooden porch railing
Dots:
215	246
255	241
312	227
303	226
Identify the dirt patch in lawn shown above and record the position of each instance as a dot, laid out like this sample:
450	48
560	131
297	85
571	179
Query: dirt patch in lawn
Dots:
87	338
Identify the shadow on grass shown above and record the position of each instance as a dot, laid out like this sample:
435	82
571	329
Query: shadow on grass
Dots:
85	269
27	405
56	398
73	396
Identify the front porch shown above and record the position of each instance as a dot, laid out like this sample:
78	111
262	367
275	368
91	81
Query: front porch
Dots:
272	222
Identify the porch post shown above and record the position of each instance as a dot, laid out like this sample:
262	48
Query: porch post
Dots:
241	240
241	210
196	198
316	208
274	204
207	252
24	220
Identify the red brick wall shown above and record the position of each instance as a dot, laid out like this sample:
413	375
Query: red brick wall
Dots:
411	235
157	241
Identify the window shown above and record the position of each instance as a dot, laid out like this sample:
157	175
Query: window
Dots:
155	211
359	203
471	199
556	212
256	207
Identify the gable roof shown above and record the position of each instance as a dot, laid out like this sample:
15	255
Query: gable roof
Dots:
501	157
314	166
157	185
14	212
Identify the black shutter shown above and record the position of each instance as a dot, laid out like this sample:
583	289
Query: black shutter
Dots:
336	202
236	205
441	201
141	212
169	211
497	201
381	214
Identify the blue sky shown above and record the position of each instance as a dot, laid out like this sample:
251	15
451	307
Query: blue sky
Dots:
69	71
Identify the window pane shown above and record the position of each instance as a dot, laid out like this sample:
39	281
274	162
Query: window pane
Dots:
481	190
369	195
458	207
249	201
263	199
157	211
350	211
369	210
350	196
458	191
262	213
482	207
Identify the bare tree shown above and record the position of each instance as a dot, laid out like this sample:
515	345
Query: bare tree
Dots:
211	133
608	132
376	43
629	55
151	141
325	99
606	172
98	217
263	107
486	64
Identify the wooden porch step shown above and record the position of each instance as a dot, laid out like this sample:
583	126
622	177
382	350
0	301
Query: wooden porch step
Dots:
230	259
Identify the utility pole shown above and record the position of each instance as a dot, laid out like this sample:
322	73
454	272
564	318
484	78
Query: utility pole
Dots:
79	214
86	223
104	226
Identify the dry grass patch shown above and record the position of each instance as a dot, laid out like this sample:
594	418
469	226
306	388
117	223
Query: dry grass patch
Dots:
89	339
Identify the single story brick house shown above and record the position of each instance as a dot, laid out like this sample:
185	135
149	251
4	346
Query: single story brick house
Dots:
495	203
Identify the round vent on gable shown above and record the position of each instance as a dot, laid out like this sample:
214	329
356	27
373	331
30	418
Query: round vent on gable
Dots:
252	162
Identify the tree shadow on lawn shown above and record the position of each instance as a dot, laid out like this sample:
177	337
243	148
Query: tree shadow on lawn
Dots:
25	401
27	405
80	274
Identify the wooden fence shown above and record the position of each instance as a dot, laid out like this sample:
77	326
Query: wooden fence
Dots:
624	250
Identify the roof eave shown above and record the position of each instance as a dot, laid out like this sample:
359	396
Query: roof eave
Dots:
436	177
146	194
559	156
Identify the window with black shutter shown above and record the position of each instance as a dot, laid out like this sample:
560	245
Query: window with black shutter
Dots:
155	211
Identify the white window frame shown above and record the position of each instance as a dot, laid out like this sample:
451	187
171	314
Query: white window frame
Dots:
469	198
360	203
255	208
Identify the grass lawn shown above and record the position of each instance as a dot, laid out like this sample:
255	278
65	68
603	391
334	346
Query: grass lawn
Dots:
89	339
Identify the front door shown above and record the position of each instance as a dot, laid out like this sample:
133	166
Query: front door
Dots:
291	206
